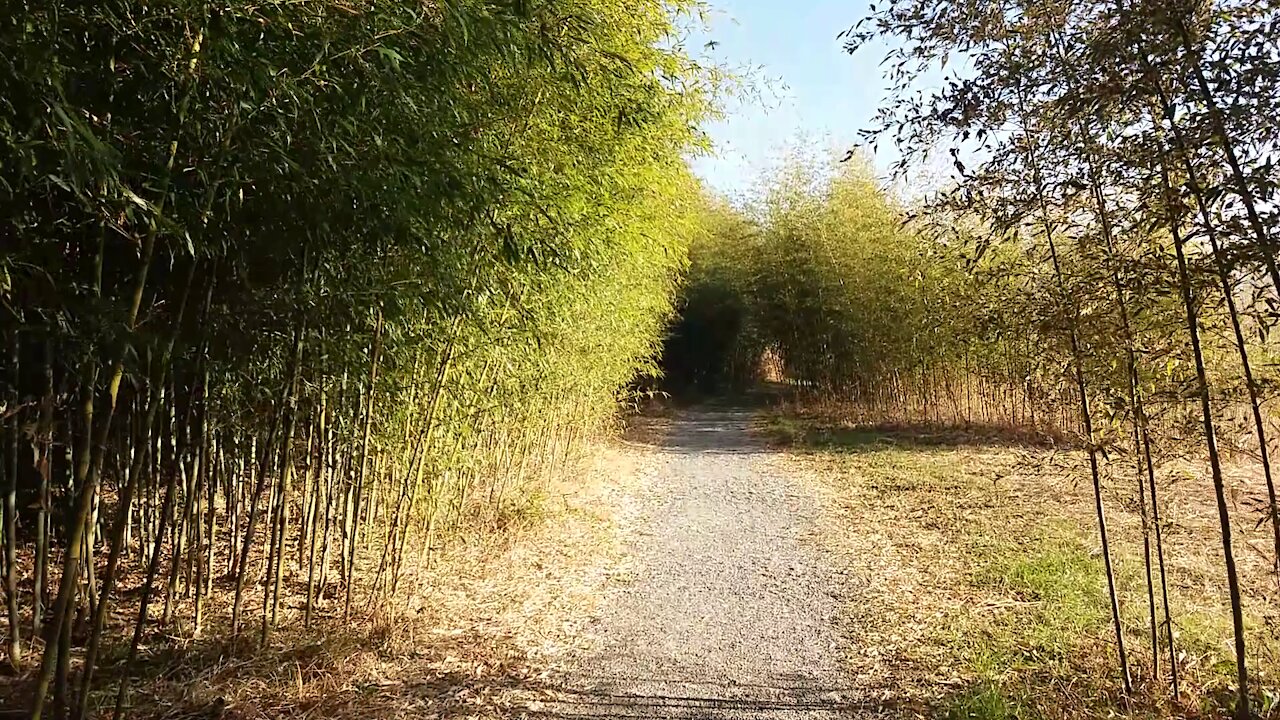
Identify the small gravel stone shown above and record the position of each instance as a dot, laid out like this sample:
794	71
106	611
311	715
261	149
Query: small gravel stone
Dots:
729	613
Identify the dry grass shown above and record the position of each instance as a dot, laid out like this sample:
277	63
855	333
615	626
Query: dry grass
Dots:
470	636
975	578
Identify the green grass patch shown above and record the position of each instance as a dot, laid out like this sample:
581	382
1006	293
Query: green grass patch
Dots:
1059	597
801	432
784	429
987	701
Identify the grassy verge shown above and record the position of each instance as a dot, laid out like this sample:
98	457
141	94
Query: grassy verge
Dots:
976	584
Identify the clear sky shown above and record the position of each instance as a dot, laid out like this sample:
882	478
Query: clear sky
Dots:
813	91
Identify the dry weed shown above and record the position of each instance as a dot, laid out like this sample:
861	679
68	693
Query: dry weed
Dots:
971	565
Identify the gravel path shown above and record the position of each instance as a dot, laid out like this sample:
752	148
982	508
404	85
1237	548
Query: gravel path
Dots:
729	613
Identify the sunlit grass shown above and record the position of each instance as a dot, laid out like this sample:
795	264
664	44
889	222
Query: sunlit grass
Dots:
997	554
987	701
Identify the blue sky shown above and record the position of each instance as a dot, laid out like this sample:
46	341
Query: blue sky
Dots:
813	92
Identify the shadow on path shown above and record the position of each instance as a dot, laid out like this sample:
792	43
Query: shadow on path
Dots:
718	429
817	436
666	697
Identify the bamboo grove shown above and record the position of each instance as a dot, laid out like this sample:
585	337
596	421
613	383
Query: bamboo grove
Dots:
1113	168
291	293
814	279
1102	265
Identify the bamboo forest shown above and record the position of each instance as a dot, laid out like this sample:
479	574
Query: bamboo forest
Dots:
372	358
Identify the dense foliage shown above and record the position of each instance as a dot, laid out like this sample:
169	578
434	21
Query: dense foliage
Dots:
819	279
292	290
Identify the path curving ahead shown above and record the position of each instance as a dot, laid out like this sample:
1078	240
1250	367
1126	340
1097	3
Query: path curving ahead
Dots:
730	612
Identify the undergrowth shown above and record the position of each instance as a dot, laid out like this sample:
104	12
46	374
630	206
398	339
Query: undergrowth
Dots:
985	577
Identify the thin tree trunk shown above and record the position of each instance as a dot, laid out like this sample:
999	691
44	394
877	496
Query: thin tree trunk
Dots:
320	490
1085	415
148	585
1215	463
45	469
11	514
375	351
282	522
1136	404
255	499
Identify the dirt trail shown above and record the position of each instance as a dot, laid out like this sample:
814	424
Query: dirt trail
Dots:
729	612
